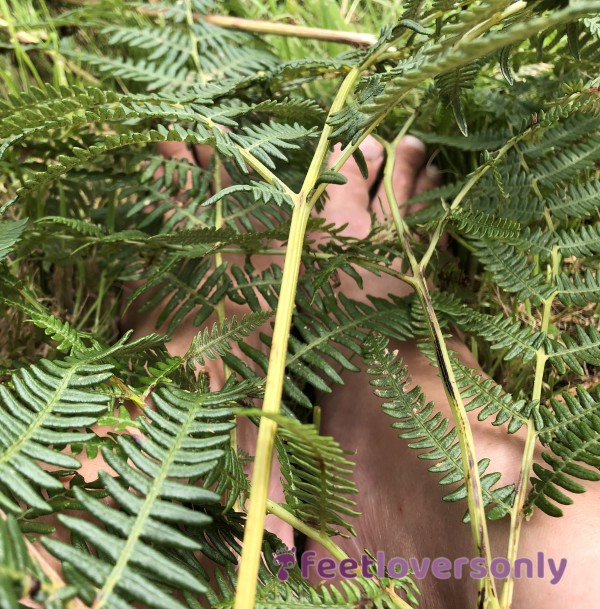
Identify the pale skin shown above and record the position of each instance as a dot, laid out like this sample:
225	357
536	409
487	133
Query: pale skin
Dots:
401	503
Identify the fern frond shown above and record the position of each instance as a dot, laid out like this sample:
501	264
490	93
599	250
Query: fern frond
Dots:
316	476
183	441
451	84
10	233
325	327
215	343
67	337
583	243
484	226
263	193
166	42
229	480
579	201
186	288
489	398
482	140
569	163
428	430
79	226
571	427
21	579
267	141
512	271
536	241
156	75
562	135
503	333
46	402
574	351
579	289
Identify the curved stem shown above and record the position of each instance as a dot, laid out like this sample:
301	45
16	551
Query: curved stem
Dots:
321	538
487	588
517	514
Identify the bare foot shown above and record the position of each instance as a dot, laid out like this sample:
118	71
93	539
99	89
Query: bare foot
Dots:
403	513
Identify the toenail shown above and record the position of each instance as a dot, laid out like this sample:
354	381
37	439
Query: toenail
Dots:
413	142
371	149
432	172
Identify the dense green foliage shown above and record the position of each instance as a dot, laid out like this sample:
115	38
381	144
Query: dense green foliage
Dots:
88	206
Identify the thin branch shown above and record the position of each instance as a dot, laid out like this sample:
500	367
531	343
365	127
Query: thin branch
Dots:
293	31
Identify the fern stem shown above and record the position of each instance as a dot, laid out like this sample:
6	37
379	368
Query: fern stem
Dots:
517	514
258	26
366	264
483	169
291	30
253	533
189	17
321	538
220	307
481	28
264	172
487	587
432	245
254	529
303	204
323	145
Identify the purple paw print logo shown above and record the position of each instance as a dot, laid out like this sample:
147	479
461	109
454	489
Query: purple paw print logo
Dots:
286	559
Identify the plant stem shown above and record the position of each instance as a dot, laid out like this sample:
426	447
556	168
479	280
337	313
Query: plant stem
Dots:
254	530
264	172
323	145
220	307
517	514
459	414
321	538
303	204
285	29
189	18
257	26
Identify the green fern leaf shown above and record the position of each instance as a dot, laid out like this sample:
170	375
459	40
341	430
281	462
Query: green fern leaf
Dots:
582	243
489	398
569	163
183	440
264	193
10	233
573	427
484	226
47	401
512	271
428	430
579	201
574	351
217	342
503	333
316	476
579	289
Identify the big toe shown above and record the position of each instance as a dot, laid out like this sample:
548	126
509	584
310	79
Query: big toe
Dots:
349	203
